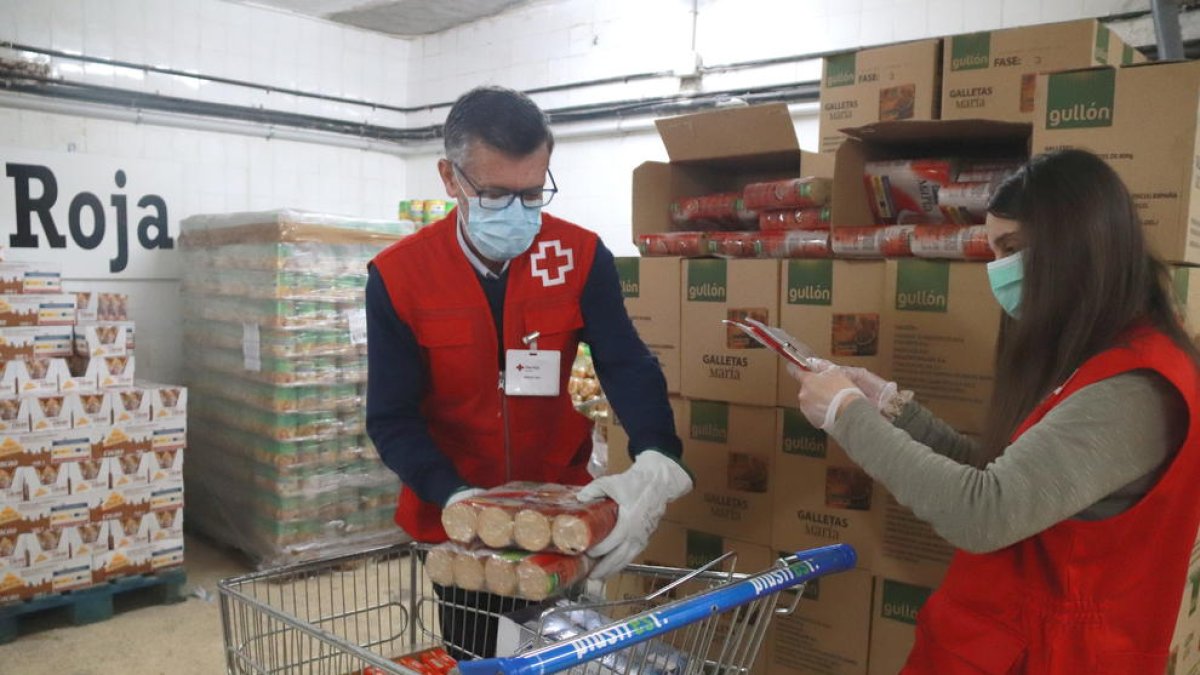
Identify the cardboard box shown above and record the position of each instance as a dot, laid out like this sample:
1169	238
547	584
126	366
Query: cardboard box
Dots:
35	342
618	441
17	278
122	562
37	310
977	139
130	405
728	449
166	553
829	632
72	574
125	441
19	451
14	418
47	412
91	476
109	338
166	507
166	400
835	307
651	290
992	75
17	521
894	82
940	328
106	371
93	306
828	499
95	410
894	623
1107	111
720	150
720	362
21	583
34	376
44	479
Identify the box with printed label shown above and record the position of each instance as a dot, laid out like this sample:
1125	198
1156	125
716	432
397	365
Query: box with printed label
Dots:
106	371
830	629
166	506
992	75
34	376
718	151
651	290
128	505
18	453
893	82
728	449
14	417
940	328
828	499
166	462
37	310
16	521
20	583
35	342
17	278
835	307
95	410
92	476
618	440
1106	111
123	561
47	412
166	400
93	306
719	361
130	405
894	623
110	338
166	553
72	574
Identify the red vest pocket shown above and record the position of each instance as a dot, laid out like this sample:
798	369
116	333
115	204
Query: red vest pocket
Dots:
953	640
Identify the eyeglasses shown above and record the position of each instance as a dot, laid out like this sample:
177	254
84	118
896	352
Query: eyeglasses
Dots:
495	199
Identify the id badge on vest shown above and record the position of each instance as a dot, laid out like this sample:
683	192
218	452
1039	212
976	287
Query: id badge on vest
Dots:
532	371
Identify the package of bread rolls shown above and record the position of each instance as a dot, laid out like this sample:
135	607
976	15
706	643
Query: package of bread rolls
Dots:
532	517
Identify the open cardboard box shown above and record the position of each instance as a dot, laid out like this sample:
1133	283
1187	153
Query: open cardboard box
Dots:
719	151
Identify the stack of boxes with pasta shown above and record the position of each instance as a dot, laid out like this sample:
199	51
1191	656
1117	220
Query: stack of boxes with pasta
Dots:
91	461
899	289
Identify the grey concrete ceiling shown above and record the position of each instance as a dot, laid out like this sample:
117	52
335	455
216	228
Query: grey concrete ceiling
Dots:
404	18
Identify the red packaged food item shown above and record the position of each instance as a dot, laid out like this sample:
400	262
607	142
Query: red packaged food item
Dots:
731	244
965	203
792	244
987	170
580	530
792	193
542	575
816	218
890	241
721	210
906	191
952	242
428	662
524	514
685	244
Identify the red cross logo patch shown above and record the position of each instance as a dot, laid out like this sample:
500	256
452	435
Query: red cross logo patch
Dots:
551	263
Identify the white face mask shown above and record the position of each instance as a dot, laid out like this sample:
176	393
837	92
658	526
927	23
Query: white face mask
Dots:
502	235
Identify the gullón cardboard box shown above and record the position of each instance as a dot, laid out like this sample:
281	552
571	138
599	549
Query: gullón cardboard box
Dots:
895	82
651	290
835	307
728	449
618	440
829	632
940	327
992	75
720	362
822	497
894	623
1106	111
717	151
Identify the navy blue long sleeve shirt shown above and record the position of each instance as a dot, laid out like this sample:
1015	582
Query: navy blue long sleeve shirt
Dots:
628	373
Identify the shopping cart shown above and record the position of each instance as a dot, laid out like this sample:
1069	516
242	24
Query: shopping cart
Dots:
351	614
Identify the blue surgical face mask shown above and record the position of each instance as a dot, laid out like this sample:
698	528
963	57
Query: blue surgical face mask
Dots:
1005	276
502	235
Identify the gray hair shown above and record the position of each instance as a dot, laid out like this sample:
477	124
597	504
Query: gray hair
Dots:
504	119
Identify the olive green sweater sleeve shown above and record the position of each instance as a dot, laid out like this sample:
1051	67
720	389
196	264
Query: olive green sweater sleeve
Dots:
1092	456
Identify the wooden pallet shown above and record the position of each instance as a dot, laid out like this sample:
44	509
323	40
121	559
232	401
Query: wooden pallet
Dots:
90	605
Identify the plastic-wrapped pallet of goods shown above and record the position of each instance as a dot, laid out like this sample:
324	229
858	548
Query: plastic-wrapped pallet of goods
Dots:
274	330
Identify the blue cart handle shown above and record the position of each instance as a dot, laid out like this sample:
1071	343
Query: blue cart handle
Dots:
802	567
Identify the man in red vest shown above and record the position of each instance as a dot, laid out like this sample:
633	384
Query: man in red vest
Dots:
472	326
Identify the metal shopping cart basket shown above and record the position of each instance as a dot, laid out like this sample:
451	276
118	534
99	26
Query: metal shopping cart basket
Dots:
352	614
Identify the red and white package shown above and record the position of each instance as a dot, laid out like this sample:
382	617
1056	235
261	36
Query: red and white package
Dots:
542	575
433	661
906	191
524	515
792	193
816	218
987	170
723	210
965	203
952	242
889	241
792	244
684	244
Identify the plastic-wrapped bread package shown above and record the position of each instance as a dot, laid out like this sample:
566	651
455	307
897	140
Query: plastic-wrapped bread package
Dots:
952	242
684	244
542	575
527	515
965	203
792	193
905	191
815	218
893	241
723	210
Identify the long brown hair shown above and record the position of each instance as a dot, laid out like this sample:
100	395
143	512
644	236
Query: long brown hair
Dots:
1088	276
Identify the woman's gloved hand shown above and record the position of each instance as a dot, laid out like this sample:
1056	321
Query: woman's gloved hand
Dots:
642	493
883	394
823	394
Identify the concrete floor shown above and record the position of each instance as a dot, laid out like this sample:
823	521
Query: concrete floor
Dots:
180	639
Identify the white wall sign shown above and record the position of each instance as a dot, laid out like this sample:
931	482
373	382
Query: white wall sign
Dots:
101	217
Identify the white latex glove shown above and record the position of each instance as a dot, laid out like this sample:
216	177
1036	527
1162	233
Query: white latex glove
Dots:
884	395
642	493
464	493
823	394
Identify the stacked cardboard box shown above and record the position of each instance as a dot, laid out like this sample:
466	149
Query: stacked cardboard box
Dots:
276	337
91	460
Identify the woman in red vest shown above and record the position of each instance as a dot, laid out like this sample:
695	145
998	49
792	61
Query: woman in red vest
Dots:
1076	513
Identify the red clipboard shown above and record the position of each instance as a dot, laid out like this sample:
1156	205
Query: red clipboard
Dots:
777	340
